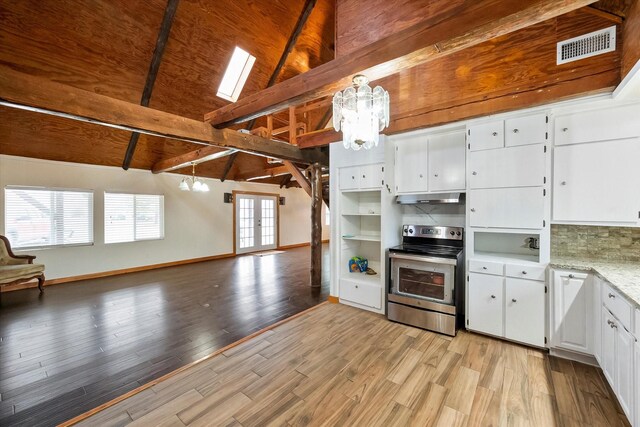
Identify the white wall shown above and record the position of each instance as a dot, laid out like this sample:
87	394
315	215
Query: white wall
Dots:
196	224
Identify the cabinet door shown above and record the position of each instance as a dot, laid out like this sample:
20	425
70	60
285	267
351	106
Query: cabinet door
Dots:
350	178
599	125
447	162
361	293
524	312
597	182
608	364
637	377
486	303
411	165
624	369
572	307
507	167
370	177
486	136
507	207
596	309
525	130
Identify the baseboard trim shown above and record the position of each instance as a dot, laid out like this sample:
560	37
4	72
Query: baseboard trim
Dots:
298	245
333	300
28	285
587	359
150	384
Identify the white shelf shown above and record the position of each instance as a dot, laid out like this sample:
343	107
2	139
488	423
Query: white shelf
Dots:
363	278
362	238
360	214
506	257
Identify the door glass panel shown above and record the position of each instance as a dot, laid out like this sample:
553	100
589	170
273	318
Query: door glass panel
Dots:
246	221
268	222
427	284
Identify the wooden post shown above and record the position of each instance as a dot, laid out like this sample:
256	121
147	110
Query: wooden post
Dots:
316	225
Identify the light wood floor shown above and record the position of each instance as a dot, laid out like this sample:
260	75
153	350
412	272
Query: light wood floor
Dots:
337	365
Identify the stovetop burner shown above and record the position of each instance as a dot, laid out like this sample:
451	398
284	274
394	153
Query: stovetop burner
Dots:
445	242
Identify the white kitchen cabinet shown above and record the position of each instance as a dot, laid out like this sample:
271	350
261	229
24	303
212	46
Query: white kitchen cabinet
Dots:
350	178
507	207
637	379
507	167
608	364
572	311
411	164
596	310
525	130
598	125
365	177
524	313
486	136
446	161
366	294
624	369
486	303
597	182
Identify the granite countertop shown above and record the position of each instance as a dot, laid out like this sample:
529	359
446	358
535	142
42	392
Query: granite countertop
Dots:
624	276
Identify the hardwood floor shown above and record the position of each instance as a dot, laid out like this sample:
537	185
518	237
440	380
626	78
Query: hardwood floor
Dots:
84	343
337	365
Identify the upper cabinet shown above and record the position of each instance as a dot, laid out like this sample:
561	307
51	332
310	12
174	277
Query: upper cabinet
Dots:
597	182
526	130
507	167
600	125
366	177
430	163
486	136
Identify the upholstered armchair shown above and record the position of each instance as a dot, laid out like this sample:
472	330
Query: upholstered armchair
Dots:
18	268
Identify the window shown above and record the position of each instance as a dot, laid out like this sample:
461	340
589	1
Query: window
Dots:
236	75
327	216
131	217
42	217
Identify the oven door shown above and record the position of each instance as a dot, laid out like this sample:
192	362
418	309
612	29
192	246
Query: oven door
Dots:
422	278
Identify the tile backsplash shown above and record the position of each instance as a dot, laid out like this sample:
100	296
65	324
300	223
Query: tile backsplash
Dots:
605	243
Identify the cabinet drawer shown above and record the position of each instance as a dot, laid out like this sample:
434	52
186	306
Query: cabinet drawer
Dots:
486	136
487	267
618	306
530	272
525	130
361	293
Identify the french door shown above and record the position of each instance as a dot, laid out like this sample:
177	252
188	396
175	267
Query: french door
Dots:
256	223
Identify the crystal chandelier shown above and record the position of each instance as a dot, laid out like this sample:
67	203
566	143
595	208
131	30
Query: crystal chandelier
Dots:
361	113
193	184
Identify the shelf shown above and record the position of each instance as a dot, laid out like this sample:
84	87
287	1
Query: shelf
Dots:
363	238
360	214
374	280
506	257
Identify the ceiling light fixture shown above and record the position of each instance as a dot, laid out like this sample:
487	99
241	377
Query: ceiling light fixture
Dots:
193	184
361	113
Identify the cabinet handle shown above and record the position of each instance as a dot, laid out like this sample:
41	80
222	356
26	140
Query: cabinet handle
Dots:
516	131
611	295
356	286
613	325
524	272
353	177
420	175
565	129
473	209
493	296
474	173
495	134
563	183
514	300
436	175
484	268
571	276
609	322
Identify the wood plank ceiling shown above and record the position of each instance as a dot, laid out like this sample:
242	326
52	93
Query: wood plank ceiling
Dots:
106	46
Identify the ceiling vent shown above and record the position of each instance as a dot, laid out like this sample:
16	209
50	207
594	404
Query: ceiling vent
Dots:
587	45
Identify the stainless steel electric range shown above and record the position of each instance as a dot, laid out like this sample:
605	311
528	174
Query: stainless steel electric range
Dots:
426	278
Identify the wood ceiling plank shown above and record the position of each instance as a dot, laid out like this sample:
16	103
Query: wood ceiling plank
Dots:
459	28
319	138
227	166
21	90
631	39
198	156
262	173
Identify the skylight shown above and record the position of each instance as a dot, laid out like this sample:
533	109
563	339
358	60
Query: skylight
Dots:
236	75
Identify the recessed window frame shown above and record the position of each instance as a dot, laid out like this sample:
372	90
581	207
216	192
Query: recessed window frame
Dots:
235	75
54	219
135	224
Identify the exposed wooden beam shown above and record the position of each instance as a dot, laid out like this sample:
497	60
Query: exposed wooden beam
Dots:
316	226
293	38
299	177
322	103
262	173
158	51
205	154
285	180
27	92
460	27
319	138
227	166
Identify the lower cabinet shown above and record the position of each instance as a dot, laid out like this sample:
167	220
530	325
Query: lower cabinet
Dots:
507	307
596	304
572	320
637	376
617	355
361	293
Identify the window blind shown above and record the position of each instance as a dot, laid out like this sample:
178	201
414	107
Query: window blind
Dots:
44	217
131	217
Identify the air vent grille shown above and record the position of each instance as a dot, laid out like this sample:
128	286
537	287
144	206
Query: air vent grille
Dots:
587	45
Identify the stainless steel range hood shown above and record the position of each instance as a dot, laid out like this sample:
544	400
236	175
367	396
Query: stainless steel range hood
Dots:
430	198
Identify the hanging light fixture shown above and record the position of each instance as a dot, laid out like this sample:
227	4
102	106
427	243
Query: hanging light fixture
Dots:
193	184
361	113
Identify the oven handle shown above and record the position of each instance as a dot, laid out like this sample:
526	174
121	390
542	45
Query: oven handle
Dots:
423	258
